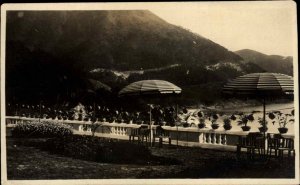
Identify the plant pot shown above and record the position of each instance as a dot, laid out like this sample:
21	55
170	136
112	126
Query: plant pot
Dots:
185	125
283	130
214	126
263	129
140	122
163	123
227	127
201	125
246	128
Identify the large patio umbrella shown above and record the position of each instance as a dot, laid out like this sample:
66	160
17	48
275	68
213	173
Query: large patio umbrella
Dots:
152	88
261	85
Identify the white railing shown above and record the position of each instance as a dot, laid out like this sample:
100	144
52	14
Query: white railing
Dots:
193	135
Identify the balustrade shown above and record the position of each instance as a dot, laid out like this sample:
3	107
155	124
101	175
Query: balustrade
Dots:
212	138
122	130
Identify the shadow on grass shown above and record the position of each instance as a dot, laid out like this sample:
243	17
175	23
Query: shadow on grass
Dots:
98	150
30	159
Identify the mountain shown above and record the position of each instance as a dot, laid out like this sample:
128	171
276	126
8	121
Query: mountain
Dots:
50	54
112	39
270	63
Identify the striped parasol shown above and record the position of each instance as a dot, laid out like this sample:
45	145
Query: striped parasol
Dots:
261	84
150	87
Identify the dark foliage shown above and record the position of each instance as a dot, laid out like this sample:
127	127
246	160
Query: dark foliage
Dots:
104	150
50	54
43	129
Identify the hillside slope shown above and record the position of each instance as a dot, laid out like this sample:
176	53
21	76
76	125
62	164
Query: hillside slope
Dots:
270	63
50	54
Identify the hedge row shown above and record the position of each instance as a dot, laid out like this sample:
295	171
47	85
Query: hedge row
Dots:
43	129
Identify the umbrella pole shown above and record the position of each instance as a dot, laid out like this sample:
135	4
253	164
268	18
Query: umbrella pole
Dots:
176	125
151	132
264	119
40	112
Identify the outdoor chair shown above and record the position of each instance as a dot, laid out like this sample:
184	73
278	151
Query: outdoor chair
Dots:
285	144
161	134
142	134
252	142
273	142
133	132
280	144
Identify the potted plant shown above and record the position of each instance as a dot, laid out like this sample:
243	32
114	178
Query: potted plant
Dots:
53	117
263	127
244	119
80	116
233	117
140	122
71	117
112	119
86	118
214	124
282	119
162	123
201	123
185	124
227	124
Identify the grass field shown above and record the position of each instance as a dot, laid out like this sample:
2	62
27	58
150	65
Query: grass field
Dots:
26	162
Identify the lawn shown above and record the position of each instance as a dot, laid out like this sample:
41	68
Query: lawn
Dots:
27	162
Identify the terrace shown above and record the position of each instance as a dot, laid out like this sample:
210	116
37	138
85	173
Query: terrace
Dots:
183	136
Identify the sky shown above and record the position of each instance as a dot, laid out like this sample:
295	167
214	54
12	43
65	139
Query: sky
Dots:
269	28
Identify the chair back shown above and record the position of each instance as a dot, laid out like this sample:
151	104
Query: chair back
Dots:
161	132
285	142
144	131
250	139
282	142
134	131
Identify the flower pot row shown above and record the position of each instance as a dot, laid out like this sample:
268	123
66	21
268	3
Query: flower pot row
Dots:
244	128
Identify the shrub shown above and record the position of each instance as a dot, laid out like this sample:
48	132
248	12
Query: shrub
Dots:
44	129
102	150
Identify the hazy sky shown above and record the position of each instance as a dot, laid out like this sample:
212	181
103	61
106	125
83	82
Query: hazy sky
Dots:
264	27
